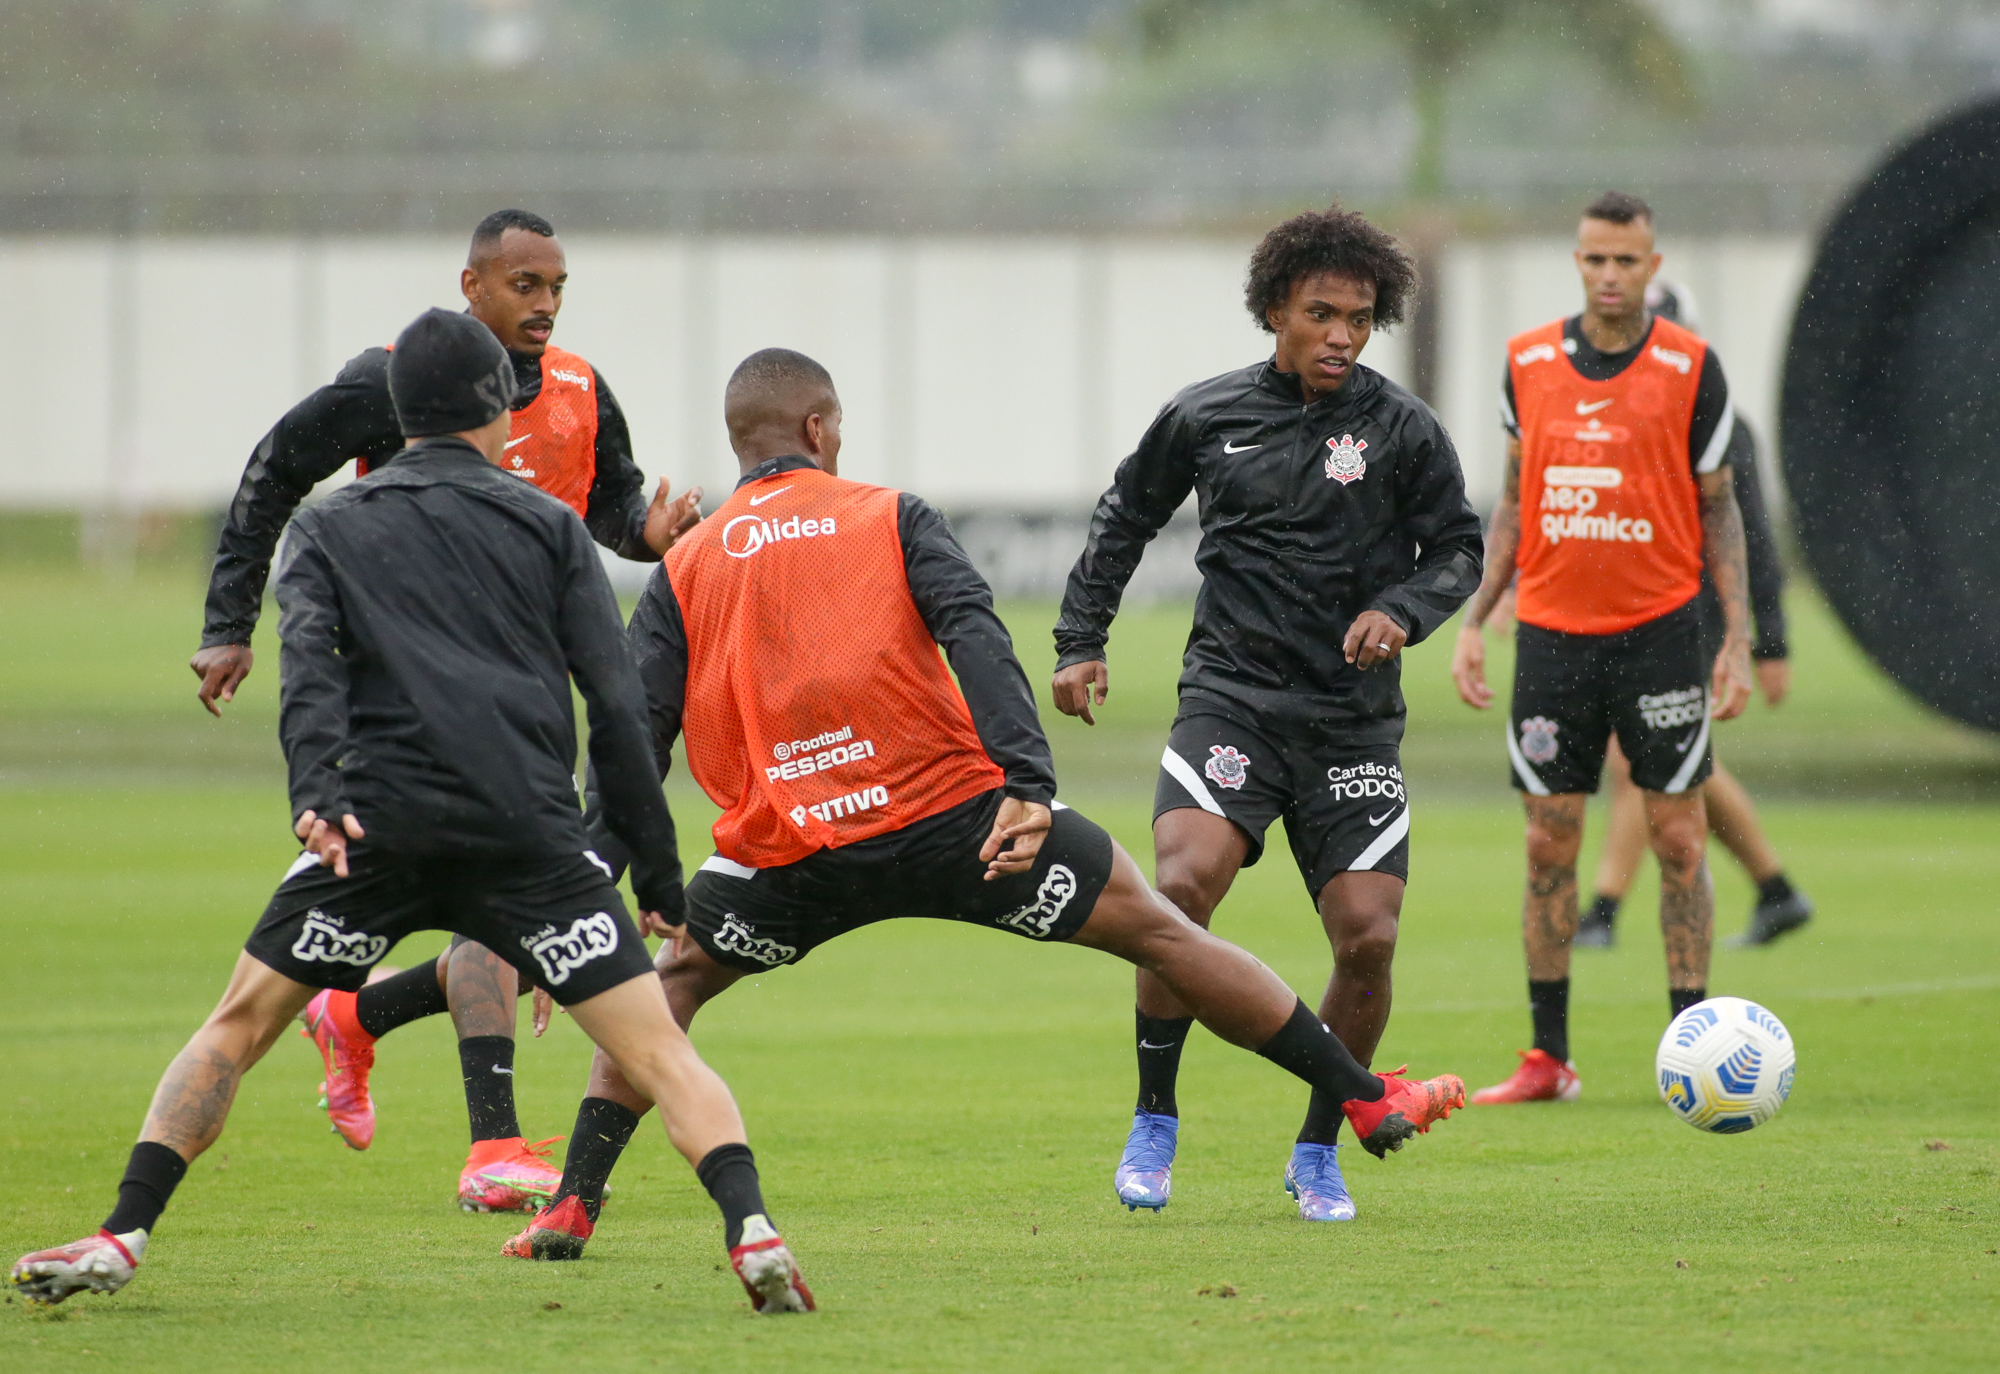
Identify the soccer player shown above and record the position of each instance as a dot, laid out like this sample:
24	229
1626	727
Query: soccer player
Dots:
434	616
1732	817
1335	532
795	635
569	438
1617	497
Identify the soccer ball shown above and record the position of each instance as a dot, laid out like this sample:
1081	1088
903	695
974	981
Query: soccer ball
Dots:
1725	1065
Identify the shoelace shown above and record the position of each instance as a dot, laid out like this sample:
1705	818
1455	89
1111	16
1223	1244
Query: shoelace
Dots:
1154	1153
538	1153
1313	1179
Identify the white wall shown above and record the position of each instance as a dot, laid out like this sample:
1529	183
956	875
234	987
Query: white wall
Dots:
1005	372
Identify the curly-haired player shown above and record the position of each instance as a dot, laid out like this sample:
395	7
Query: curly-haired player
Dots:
1335	531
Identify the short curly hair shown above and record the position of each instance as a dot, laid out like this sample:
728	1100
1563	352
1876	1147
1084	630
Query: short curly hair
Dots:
1329	240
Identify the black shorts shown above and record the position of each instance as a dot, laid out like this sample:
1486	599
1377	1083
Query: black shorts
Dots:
560	921
759	918
1345	805
1649	683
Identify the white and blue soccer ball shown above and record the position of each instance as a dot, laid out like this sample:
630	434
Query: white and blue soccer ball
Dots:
1725	1065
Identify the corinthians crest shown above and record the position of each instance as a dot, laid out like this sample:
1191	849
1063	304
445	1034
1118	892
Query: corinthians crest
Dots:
1345	464
1227	766
1538	739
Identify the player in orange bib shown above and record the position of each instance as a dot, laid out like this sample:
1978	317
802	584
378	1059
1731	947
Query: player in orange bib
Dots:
1617	495
567	437
795	636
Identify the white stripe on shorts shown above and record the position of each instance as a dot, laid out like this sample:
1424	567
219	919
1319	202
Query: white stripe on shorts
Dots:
1178	768
300	865
1695	751
1527	774
1391	836
715	863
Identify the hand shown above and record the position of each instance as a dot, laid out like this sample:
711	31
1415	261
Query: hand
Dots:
543	1005
667	520
1774	679
1026	824
1373	638
1468	668
1075	686
326	842
1730	691
221	668
653	923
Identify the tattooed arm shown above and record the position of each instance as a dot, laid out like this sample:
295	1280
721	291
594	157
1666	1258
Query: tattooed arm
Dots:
1503	542
1723	550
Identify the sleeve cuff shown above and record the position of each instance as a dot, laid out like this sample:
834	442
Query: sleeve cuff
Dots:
1770	651
1081	653
1041	794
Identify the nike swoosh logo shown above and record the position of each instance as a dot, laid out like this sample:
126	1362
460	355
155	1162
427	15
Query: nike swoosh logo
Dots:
760	500
1377	820
522	440
497	1069
1592	408
1149	1045
1239	448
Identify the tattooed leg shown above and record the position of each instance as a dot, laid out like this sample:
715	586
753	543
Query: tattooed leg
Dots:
482	990
193	1098
1678	829
1548	915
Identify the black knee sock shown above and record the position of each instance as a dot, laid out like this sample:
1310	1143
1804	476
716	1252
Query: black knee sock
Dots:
400	999
1603	910
1775	888
1161	1040
487	1061
1323	1118
603	1129
1680	999
729	1172
150	1179
1548	1003
1305	1047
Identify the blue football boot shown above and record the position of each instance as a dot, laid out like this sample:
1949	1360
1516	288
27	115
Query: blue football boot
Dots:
1145	1176
1313	1177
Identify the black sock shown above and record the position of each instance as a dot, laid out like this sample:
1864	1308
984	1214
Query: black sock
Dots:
1161	1040
729	1172
150	1179
1680	999
1323	1118
603	1129
400	999
1305	1047
1603	911
1548	1003
1776	888
487	1061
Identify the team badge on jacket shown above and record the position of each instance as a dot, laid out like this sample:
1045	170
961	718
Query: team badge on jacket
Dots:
1538	739
1345	464
1227	766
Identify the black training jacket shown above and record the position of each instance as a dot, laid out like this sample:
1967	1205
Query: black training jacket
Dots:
433	615
1766	569
957	609
1295	543
355	418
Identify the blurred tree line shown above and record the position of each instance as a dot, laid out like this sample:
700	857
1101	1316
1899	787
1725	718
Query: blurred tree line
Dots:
800	114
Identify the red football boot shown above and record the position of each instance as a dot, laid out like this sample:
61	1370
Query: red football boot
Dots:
1406	1109
1541	1078
556	1233
349	1053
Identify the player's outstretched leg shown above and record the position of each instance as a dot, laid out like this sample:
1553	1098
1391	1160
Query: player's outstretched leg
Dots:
1243	1002
632	1025
187	1114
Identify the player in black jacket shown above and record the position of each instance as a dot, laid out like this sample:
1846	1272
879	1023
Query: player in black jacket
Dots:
1335	532
435	615
513	282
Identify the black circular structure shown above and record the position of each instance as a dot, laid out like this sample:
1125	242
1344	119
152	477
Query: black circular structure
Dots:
1891	414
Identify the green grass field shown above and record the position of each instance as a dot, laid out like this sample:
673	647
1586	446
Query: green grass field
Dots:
937	1109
